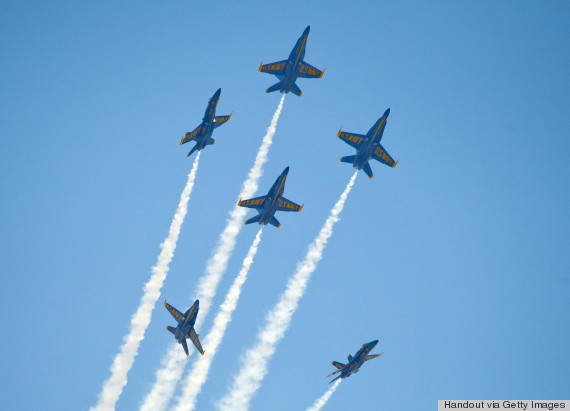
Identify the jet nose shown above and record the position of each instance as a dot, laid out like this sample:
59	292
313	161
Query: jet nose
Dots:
286	171
307	30
218	91
374	342
387	113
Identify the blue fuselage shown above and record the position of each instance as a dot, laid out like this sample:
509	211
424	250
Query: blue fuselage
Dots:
273	197
184	326
356	362
208	122
371	142
293	63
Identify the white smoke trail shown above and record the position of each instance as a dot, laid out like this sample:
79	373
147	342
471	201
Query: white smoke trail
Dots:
323	400
199	373
255	360
113	387
172	364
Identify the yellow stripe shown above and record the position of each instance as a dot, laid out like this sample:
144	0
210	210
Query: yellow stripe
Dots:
376	131
299	53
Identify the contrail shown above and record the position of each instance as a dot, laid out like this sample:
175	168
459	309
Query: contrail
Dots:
255	360
323	400
199	373
113	387
172	364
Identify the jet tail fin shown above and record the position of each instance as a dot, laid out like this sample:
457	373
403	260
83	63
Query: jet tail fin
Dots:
274	222
274	87
368	170
348	159
171	329
253	219
296	90
191	151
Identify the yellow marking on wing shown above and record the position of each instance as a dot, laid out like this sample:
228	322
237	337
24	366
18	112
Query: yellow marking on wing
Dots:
342	158
260	65
302	207
323	72
395	163
267	90
339	132
371	175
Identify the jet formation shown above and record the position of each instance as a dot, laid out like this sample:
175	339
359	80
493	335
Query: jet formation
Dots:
354	363
287	71
185	328
266	206
368	146
202	134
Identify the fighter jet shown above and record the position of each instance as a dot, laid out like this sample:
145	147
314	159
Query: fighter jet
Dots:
185	328
267	205
288	70
368	146
202	134
354	363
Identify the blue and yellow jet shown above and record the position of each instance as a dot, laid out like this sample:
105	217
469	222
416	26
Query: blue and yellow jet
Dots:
287	71
368	146
185	328
354	363
202	134
267	205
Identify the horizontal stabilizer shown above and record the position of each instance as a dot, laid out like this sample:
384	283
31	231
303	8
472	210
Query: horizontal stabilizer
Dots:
253	219
275	222
348	159
210	141
333	380
338	365
275	87
191	151
185	346
295	89
368	170
171	329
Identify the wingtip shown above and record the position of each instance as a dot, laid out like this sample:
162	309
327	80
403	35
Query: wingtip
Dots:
323	72
260	65
371	175
203	352
342	158
267	90
339	131
279	225
302	207
395	163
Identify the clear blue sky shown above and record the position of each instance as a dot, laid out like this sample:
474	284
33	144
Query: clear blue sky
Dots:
456	260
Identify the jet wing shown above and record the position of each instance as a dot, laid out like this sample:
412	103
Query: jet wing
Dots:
277	68
194	337
178	316
308	71
369	357
257	202
381	155
354	140
285	205
190	136
219	120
